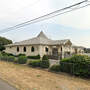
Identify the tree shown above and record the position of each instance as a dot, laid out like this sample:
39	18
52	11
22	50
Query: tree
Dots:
4	41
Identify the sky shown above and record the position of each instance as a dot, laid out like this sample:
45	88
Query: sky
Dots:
74	25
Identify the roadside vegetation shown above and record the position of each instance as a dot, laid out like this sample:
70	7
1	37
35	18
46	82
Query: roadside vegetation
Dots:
37	74
77	65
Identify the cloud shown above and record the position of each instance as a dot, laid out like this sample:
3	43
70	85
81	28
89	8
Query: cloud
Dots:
53	31
74	25
77	19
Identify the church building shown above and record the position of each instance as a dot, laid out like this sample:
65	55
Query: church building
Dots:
42	45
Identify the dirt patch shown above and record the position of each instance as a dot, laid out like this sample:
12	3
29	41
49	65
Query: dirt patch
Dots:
27	78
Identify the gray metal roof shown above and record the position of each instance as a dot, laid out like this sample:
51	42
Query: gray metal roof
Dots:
40	39
74	46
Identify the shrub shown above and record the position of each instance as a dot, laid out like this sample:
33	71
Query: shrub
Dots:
20	55
10	54
66	67
35	63
45	62
15	61
78	65
34	57
4	54
4	58
0	56
11	58
55	68
22	59
45	57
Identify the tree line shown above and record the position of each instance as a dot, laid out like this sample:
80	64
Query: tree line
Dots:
4	41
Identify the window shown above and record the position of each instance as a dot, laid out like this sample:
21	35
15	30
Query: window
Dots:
61	49
17	49
46	49
32	49
24	49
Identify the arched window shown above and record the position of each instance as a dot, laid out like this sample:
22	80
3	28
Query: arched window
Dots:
32	49
61	49
24	49
46	49
17	49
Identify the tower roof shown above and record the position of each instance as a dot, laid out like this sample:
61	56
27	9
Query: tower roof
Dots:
42	35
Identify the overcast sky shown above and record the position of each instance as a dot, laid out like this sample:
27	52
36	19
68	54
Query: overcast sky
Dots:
73	25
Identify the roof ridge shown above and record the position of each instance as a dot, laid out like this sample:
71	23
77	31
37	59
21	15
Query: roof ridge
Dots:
42	35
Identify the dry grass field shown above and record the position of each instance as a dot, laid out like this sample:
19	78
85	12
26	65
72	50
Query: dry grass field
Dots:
27	78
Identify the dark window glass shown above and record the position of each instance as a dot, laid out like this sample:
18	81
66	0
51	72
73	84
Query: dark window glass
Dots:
17	49
61	49
46	49
32	49
24	49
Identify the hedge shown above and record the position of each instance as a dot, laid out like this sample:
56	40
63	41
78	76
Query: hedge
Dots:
5	57
78	65
45	62
22	59
34	63
6	54
15	61
20	55
34	57
55	68
11	58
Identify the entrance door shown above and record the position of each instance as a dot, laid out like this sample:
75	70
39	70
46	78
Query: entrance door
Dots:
55	53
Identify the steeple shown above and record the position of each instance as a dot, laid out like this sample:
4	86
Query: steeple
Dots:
42	35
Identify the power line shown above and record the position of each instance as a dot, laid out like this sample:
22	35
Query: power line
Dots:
49	15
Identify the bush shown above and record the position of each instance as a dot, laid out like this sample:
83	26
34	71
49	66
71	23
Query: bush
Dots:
11	58
45	62
22	59
7	58
15	61
55	68
35	63
34	57
10	54
6	54
66	67
4	58
20	55
45	57
0	56
78	65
